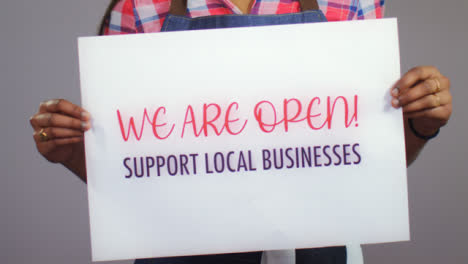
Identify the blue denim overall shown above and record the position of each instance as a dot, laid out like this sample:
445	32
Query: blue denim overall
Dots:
176	20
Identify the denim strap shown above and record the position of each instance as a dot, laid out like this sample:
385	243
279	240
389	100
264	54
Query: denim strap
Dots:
179	7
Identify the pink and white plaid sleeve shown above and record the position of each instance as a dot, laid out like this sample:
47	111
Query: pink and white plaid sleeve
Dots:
341	10
122	19
368	9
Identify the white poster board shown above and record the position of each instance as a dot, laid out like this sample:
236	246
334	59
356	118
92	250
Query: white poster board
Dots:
186	127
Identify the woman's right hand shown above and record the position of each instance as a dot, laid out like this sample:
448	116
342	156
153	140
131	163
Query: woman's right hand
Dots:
59	127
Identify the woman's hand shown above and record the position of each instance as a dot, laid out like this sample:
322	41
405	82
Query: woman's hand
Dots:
423	93
58	132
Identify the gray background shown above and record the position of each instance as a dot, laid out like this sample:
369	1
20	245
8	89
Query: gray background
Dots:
44	211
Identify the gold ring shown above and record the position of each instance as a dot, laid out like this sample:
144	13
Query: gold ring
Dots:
43	137
437	89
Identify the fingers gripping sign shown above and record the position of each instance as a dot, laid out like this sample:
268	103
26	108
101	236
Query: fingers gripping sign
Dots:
424	95
58	126
61	106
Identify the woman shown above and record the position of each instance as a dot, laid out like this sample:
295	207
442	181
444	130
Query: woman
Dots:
423	92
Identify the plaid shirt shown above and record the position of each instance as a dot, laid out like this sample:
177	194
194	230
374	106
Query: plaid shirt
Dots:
140	16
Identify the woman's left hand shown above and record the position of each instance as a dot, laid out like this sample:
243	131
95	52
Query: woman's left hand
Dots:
424	94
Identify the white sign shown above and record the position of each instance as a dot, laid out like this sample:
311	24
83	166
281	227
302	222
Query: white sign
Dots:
234	140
